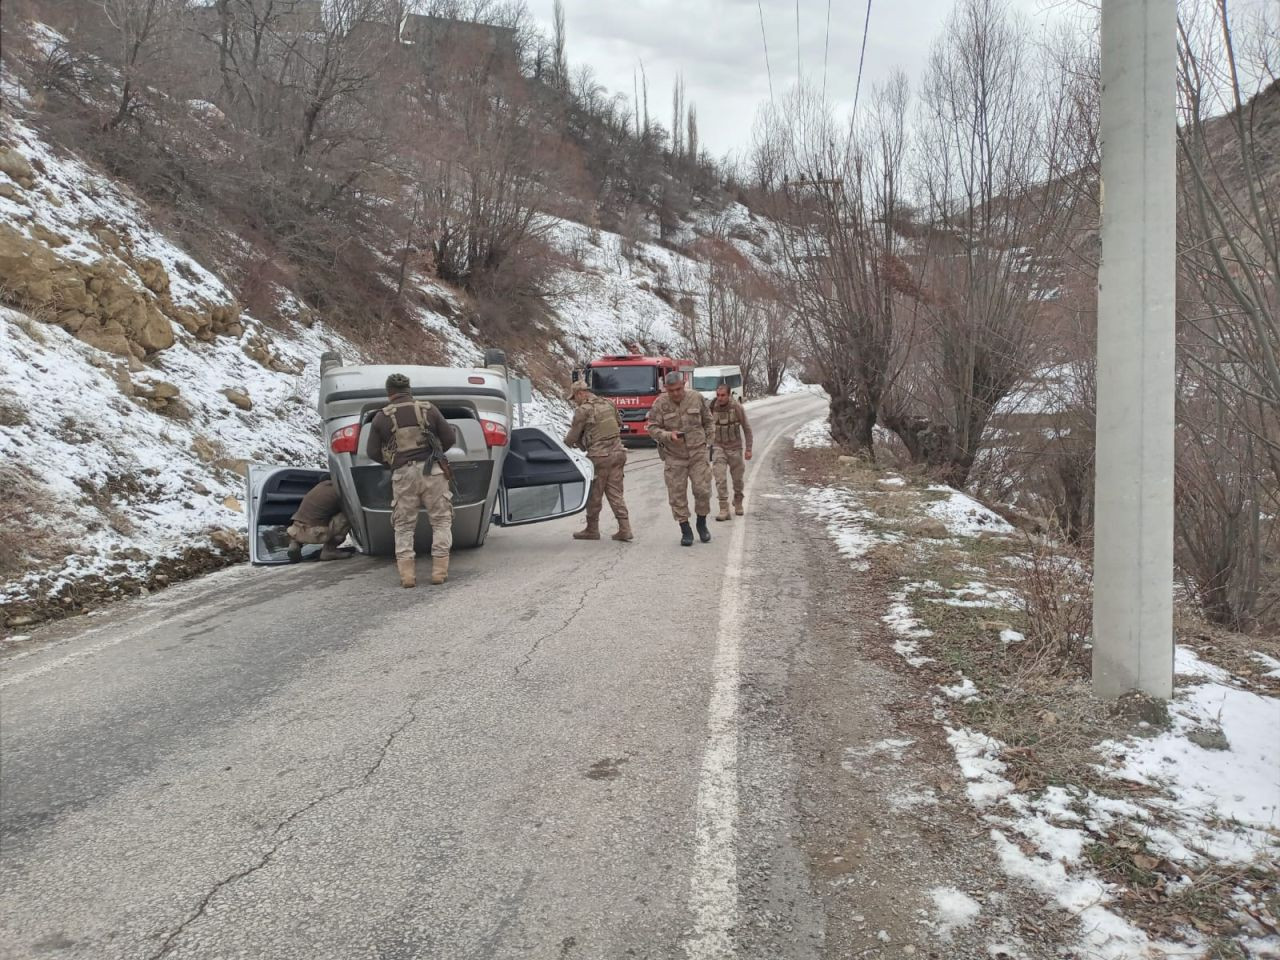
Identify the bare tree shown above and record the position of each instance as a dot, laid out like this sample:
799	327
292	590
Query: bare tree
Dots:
1228	480
990	248
560	59
138	27
841	204
778	346
731	327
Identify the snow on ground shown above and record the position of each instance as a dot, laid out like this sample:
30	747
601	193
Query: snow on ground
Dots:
814	434
954	910
1051	390
964	516
1215	771
903	622
611	304
124	484
1224	789
845	520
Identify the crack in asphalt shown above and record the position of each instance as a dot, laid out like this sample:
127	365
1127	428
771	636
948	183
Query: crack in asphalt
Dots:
573	614
306	808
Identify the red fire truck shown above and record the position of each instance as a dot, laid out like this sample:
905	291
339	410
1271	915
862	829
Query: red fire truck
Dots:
632	382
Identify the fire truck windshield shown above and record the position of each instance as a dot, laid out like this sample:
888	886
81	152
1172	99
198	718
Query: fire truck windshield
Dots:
624	381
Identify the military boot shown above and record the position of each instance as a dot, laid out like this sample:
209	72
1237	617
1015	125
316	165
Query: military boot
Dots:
737	504
624	531
703	533
686	534
295	551
439	570
590	532
330	551
724	511
408	572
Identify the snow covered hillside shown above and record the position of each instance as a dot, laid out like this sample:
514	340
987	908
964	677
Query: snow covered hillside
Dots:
134	388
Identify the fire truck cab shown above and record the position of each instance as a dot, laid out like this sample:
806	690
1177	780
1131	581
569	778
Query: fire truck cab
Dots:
632	382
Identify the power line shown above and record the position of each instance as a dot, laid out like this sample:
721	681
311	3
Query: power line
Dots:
826	50
765	40
862	57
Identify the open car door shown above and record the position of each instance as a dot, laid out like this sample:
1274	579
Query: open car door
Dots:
275	494
541	479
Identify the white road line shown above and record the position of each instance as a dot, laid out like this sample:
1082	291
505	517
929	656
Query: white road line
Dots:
714	894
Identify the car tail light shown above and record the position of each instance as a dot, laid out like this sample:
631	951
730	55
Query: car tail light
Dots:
346	440
475	379
495	434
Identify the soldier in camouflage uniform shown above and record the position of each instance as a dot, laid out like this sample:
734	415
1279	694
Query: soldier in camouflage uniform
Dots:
730	447
597	429
680	423
319	519
410	436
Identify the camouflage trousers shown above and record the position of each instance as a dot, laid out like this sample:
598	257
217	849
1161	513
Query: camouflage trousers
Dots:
727	462
411	489
679	474
335	531
608	483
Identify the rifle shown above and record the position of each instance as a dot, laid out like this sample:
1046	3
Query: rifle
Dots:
438	456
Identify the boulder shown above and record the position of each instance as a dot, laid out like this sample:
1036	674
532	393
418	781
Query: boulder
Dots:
163	390
153	275
232	465
107	237
238	398
203	449
231	503
15	165
228	541
929	529
47	236
27	267
95	336
10	192
72	320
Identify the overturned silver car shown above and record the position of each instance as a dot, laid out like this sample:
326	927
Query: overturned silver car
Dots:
504	475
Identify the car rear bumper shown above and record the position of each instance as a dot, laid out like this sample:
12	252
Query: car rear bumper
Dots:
469	523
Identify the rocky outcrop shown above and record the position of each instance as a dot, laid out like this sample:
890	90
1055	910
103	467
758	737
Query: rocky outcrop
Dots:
96	302
119	303
15	166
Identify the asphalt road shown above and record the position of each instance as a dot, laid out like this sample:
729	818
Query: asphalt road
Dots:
558	754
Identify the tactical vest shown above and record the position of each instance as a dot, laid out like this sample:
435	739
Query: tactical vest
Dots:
726	425
411	439
602	422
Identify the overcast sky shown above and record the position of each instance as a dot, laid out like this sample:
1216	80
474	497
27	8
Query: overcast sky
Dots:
717	45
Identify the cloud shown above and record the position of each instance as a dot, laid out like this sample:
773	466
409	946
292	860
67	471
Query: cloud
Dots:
717	46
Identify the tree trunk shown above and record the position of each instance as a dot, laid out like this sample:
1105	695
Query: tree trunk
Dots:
852	421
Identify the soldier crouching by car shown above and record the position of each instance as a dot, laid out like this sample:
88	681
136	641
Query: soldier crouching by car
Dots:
319	520
410	437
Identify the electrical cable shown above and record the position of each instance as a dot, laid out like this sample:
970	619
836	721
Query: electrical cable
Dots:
862	58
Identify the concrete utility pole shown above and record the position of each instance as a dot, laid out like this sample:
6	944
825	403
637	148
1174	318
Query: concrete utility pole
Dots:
1133	516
